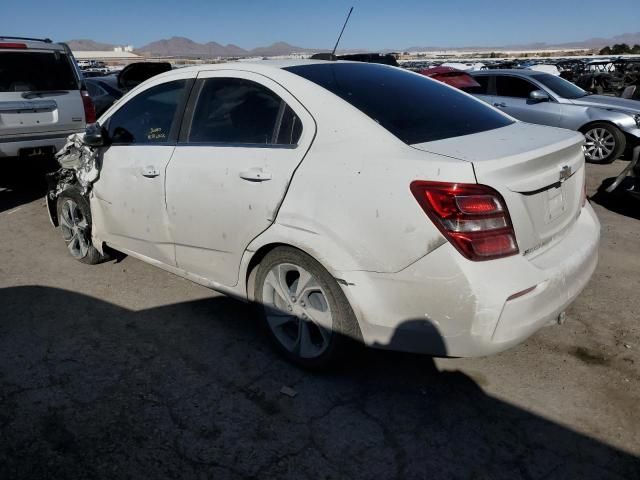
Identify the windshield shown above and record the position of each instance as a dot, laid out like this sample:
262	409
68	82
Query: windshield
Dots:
410	106
561	87
35	71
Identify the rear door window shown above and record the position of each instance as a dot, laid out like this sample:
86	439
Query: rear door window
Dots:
410	106
94	89
239	111
25	71
483	89
513	87
150	117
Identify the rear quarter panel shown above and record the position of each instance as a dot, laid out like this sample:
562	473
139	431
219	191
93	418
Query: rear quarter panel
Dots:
349	204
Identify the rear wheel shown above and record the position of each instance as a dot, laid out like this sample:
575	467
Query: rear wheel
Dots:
604	142
305	311
74	218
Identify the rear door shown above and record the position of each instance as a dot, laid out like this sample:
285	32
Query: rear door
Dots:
39	92
512	96
484	90
231	169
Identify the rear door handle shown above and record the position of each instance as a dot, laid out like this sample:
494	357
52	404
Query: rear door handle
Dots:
255	175
150	171
501	105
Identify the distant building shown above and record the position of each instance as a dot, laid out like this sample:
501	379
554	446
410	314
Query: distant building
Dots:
117	55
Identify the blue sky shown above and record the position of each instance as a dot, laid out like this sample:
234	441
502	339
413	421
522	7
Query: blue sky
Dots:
374	24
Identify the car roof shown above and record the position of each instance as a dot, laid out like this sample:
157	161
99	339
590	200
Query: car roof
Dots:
255	65
523	72
32	43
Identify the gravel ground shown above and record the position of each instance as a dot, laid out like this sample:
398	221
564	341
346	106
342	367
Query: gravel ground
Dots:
122	370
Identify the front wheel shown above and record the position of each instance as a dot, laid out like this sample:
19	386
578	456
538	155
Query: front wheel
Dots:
306	313
74	218
604	142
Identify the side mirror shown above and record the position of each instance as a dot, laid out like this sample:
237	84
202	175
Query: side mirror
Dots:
94	135
539	96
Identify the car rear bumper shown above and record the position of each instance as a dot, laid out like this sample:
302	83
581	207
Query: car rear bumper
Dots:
446	305
10	146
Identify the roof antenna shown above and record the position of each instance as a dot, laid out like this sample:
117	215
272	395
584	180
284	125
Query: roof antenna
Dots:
333	53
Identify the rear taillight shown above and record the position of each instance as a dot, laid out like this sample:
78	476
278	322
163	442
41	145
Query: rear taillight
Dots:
7	45
474	218
89	107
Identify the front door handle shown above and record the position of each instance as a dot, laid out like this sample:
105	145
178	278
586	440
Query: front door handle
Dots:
501	105
255	175
150	171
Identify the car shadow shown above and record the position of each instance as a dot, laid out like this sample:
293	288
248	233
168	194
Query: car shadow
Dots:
89	389
618	201
23	181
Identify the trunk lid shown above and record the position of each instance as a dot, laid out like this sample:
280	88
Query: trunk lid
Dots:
538	170
32	102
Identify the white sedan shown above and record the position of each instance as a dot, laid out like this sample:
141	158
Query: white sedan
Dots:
350	201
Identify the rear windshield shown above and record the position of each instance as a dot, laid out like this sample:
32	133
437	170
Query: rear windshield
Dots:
24	71
412	107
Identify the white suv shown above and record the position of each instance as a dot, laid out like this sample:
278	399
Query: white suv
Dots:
42	99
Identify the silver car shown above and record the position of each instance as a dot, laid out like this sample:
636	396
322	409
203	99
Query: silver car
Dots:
609	124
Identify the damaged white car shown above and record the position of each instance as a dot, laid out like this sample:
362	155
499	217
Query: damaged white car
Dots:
350	201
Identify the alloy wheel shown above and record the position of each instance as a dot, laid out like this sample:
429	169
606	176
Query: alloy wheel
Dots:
75	229
599	145
297	310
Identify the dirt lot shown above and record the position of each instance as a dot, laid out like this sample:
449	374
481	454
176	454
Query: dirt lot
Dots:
124	371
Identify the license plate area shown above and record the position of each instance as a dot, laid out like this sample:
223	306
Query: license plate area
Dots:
555	203
37	152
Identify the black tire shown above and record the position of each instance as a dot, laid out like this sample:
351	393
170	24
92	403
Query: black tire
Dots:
85	253
345	331
617	135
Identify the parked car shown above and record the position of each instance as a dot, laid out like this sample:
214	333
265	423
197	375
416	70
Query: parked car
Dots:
104	92
350	201
107	89
451	76
135	73
609	124
42	100
381	58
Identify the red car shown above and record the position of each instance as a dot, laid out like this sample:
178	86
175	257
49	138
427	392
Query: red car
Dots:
450	76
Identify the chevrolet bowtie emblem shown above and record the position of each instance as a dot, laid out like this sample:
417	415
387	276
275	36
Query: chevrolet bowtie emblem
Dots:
565	173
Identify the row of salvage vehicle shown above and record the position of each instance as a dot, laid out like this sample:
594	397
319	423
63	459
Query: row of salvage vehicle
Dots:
611	125
350	202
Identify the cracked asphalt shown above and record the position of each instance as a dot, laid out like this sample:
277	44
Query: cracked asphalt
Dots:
122	370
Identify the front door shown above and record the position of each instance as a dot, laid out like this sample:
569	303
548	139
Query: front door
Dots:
512	97
231	169
128	201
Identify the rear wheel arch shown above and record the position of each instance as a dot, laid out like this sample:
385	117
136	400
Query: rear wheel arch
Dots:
261	253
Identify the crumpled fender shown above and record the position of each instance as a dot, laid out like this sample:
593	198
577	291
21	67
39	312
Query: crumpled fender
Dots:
79	167
82	159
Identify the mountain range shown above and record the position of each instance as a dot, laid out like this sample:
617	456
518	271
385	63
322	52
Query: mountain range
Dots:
185	47
591	43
